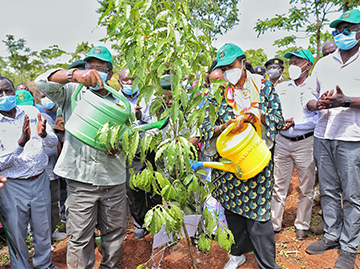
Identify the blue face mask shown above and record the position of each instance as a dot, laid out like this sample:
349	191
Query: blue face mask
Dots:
47	103
127	89
7	103
344	42
103	76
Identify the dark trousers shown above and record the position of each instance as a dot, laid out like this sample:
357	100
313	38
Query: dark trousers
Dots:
63	196
251	235
140	201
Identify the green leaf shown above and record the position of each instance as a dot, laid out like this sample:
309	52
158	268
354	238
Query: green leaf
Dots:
238	172
161	180
205	243
225	161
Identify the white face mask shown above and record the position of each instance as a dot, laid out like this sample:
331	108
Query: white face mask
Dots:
233	75
295	71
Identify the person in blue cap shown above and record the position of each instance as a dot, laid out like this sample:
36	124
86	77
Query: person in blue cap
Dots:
95	179
260	70
337	140
294	146
249	98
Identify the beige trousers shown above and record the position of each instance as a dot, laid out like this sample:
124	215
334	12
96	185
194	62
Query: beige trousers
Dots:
87	204
287	155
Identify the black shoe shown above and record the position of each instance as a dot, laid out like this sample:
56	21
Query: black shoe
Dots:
301	234
322	245
319	229
139	233
346	260
277	232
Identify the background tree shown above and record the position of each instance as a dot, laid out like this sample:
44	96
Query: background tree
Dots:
256	57
19	58
81	51
307	17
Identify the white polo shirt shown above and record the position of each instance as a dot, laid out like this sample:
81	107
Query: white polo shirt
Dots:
337	123
290	96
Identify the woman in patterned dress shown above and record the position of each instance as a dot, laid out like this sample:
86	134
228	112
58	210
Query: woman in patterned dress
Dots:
247	203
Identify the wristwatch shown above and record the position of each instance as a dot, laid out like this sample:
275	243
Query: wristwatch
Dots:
70	74
347	102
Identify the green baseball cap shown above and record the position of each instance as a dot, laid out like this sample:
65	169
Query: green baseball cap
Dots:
227	54
302	53
350	16
101	53
23	97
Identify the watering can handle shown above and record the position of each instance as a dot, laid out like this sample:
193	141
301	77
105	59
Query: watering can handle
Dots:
108	88
231	126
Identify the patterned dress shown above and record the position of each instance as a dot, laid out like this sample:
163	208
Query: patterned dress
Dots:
249	198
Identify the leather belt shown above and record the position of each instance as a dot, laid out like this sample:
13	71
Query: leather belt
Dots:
298	138
32	177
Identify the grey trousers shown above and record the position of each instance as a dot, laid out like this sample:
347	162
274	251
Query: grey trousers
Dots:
289	154
23	202
55	198
87	204
338	164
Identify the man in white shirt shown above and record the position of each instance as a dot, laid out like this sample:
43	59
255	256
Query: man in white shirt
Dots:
26	196
337	140
294	145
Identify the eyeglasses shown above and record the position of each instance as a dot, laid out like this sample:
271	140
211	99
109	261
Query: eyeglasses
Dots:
101	69
345	31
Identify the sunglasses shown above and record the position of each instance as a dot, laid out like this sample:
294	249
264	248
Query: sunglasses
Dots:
301	51
105	70
345	31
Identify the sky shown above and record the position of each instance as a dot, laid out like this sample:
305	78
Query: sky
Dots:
66	23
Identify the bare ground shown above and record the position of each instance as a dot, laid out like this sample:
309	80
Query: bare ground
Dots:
290	251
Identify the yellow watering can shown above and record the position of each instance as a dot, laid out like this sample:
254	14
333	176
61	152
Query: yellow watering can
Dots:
245	149
93	111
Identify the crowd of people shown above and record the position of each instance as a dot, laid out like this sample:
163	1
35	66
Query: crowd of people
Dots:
309	121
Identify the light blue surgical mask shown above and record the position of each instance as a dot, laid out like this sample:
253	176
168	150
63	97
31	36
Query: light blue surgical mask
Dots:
47	103
103	76
7	103
127	89
344	42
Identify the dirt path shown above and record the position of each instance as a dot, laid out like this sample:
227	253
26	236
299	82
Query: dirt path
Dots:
290	251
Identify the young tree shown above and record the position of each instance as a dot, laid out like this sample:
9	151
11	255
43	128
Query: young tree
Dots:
213	17
307	17
150	46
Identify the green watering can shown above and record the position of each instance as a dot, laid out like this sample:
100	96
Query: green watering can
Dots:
93	111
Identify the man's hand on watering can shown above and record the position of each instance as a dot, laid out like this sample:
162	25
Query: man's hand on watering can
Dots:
138	112
88	78
41	127
111	152
248	117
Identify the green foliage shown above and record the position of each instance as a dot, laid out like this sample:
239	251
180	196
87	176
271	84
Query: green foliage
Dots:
299	19
81	51
256	57
212	17
23	65
154	39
